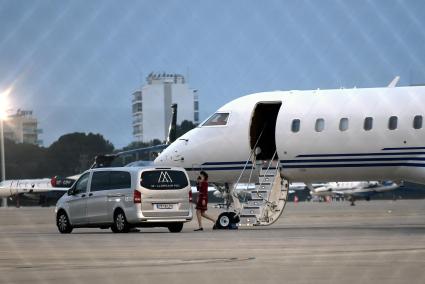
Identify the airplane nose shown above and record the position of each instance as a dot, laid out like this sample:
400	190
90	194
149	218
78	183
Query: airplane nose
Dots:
169	157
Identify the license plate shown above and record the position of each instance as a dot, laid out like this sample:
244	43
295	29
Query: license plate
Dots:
165	206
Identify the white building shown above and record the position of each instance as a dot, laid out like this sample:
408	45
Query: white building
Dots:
152	106
22	127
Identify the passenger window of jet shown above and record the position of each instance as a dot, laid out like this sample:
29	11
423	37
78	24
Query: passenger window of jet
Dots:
417	122
320	125
343	124
296	123
392	123
217	119
368	123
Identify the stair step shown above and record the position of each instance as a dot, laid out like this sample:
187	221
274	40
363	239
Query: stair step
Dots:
263	183
252	203
247	220
257	200
267	179
251	207
262	187
260	195
247	216
251	212
259	191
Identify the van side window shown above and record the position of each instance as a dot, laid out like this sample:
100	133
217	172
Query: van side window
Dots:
81	185
100	181
218	118
417	122
320	125
392	123
343	124
120	180
368	123
295	127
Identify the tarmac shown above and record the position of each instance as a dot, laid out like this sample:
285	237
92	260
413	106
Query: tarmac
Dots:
372	242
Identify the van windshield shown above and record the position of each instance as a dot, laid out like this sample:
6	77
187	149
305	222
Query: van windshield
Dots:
164	180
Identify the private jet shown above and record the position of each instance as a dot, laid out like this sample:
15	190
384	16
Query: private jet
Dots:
278	137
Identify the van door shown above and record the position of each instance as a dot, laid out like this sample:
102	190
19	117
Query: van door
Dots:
78	201
165	193
106	190
97	197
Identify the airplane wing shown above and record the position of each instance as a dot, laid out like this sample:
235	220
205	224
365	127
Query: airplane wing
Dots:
10	188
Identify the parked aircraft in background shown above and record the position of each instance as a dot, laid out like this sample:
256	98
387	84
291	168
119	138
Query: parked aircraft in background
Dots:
30	187
353	190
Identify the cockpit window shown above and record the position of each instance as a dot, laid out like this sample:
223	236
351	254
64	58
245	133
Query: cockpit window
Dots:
217	119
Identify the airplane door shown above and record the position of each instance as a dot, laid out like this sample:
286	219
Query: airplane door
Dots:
78	201
263	129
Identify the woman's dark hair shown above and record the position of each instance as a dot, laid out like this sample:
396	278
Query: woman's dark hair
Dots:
203	173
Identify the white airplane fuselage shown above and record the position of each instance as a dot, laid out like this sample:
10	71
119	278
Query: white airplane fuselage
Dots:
308	155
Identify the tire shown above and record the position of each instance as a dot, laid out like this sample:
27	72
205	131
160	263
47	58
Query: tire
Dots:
175	228
120	224
63	224
226	219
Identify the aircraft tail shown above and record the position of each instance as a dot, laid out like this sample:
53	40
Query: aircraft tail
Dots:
172	131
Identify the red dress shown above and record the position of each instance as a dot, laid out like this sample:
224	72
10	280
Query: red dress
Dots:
202	196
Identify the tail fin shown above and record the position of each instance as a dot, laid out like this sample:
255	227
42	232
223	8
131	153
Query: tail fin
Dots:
394	82
172	131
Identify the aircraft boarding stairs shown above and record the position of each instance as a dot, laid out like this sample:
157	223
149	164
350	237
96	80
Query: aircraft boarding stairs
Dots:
268	199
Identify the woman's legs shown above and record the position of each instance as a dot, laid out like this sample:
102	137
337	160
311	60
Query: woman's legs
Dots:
199	216
205	215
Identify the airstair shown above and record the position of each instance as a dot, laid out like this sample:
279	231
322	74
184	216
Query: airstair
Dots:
261	205
265	203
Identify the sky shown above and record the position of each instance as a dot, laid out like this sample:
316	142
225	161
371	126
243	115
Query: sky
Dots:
76	63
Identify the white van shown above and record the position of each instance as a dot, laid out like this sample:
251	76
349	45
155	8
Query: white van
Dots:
127	197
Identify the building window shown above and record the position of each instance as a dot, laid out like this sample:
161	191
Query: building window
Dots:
392	123
196	117
368	123
417	122
196	105
217	119
296	124
343	124
320	125
137	107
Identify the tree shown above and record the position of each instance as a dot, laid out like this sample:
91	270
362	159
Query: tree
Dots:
184	127
74	153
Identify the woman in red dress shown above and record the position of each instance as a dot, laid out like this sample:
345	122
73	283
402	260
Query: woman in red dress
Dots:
202	203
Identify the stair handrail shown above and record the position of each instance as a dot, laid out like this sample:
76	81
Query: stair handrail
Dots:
267	170
251	152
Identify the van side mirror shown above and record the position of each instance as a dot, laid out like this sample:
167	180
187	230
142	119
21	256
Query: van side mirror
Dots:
71	191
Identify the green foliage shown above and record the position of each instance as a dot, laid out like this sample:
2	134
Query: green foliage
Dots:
71	154
184	127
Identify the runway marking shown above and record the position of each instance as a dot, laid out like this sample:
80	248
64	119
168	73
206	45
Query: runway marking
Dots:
130	264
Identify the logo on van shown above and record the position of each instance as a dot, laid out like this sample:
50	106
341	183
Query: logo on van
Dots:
164	177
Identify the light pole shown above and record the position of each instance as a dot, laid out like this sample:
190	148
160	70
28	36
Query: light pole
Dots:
3	108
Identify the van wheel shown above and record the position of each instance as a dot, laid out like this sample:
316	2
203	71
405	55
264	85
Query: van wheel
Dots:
63	224
120	223
175	228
